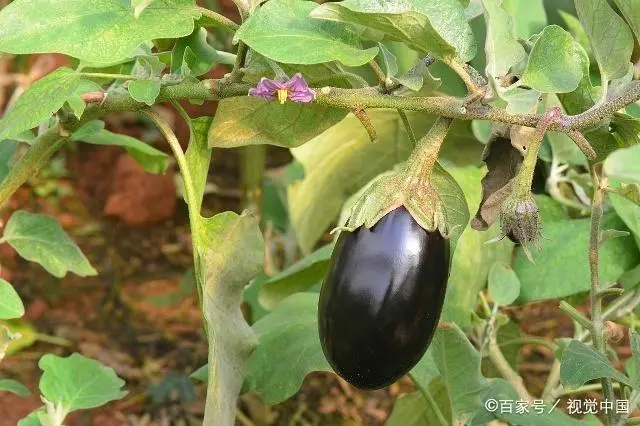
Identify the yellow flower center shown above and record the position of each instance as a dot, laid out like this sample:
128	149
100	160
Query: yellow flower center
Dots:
282	95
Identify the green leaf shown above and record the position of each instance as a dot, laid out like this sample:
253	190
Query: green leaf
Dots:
631	11
503	392
414	410
629	212
439	28
610	37
203	56
145	90
139	6
556	63
33	419
339	162
151	159
283	31
459	366
634	342
472	258
77	382
230	254
96	31
504	285
75	101
10	303
290	335
624	164
250	120
23	335
626	129
501	48
297	278
564	256
528	17
388	59
8	149
13	386
581	363
198	155
572	23
40	100
39	238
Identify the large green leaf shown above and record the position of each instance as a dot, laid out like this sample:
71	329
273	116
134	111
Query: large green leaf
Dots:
459	366
10	303
39	101
631	11
505	404
501	48
581	363
562	264
556	62
78	383
289	348
609	35
41	239
283	31
230	252
251	121
528	17
415	410
298	277
624	164
437	27
504	285
97	31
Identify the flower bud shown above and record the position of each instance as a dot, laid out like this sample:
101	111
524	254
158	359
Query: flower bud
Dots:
520	221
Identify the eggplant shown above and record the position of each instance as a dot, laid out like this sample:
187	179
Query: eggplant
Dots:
381	300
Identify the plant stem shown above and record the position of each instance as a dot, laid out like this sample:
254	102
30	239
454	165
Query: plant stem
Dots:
425	155
241	56
252	167
597	323
111	76
585	388
574	314
505	370
380	75
410	134
218	20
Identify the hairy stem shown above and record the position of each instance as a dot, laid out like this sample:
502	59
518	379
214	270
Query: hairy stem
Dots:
410	134
505	370
425	155
597	323
252	167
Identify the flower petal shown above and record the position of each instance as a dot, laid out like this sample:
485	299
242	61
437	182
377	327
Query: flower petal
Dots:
303	96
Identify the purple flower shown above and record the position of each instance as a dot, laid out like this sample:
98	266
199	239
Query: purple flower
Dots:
295	89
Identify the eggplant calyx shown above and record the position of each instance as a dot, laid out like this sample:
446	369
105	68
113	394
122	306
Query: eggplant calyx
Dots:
388	192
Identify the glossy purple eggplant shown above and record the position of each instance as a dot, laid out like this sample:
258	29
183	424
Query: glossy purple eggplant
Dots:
381	300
